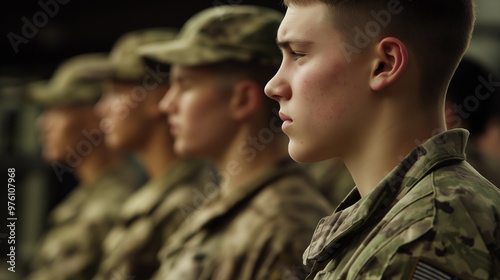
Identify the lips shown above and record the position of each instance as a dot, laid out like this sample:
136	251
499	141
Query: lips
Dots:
287	121
284	117
174	128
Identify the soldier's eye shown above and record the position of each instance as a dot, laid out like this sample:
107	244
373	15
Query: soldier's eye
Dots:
297	55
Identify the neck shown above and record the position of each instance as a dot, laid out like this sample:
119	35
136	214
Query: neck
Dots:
388	142
94	164
157	154
238	166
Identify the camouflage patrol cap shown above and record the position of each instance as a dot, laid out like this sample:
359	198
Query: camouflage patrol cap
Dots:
241	33
77	80
125	62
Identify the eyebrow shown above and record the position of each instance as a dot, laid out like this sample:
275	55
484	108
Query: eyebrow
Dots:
183	78
286	44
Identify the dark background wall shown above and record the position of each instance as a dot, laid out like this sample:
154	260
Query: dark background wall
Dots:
81	26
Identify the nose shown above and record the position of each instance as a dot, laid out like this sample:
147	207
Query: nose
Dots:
101	106
278	87
168	102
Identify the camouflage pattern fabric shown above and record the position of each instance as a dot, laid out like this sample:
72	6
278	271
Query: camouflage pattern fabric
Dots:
241	33
256	232
332	178
125	62
72	247
77	80
147	218
432	211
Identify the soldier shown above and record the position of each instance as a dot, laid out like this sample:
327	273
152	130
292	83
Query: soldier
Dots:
130	109
72	142
366	81
260	221
333	179
489	141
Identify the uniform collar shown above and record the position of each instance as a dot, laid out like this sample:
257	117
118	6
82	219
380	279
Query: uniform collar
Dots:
443	149
71	207
143	202
216	208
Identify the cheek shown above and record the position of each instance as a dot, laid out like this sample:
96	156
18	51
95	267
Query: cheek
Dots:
204	122
324	90
120	109
188	115
66	128
62	135
200	120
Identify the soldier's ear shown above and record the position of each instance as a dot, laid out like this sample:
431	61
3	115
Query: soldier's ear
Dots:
246	99
389	64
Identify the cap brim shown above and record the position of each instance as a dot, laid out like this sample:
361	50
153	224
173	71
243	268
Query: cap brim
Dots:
188	54
102	71
39	93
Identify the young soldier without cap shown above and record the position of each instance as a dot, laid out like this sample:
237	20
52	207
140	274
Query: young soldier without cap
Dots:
365	80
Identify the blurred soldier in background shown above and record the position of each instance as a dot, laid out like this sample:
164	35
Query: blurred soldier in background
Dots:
471	103
260	222
333	179
489	141
73	142
130	111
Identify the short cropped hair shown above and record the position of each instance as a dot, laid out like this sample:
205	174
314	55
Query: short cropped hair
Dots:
436	31
230	72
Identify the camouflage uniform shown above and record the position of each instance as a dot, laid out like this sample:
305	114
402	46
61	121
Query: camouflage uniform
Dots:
147	219
255	232
154	212
432	214
72	247
220	34
333	179
125	63
77	80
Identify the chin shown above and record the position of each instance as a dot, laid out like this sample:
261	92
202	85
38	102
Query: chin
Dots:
181	149
51	157
112	143
302	155
298	155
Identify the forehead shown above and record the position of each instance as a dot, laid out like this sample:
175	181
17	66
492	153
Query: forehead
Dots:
191	73
64	112
112	85
60	109
310	21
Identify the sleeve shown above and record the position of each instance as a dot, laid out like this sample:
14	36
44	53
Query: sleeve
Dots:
449	252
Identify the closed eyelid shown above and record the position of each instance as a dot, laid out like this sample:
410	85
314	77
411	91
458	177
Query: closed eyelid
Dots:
286	48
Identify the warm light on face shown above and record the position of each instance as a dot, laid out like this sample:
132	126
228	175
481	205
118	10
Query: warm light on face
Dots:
127	115
61	130
317	88
198	113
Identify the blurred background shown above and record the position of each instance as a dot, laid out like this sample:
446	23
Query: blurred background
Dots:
61	29
57	30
